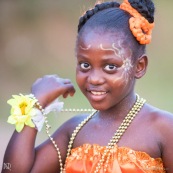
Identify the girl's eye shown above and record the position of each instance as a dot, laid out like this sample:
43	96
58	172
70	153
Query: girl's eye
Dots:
110	67
85	66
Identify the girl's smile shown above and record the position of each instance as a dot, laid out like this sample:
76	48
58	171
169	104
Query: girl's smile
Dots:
96	95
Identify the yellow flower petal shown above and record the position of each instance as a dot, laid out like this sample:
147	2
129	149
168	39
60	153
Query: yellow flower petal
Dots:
16	111
22	119
11	102
30	123
19	127
22	109
11	120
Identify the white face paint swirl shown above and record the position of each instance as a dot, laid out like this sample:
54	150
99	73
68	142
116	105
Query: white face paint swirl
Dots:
123	53
85	48
114	49
126	55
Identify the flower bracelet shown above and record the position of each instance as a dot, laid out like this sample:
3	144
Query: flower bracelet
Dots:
26	110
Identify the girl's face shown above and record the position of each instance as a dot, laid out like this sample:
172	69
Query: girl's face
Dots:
104	72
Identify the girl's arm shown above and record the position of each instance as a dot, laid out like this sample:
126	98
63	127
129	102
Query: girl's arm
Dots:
21	153
166	133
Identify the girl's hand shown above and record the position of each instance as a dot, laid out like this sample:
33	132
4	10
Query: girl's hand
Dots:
48	88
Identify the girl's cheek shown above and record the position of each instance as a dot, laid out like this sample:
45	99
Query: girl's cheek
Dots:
80	77
117	80
121	81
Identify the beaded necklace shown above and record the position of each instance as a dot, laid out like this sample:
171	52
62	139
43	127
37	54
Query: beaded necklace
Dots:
115	139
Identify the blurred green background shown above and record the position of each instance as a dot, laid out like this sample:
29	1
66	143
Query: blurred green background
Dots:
37	37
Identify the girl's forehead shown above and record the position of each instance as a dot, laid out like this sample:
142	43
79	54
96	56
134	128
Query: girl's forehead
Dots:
94	38
104	41
97	37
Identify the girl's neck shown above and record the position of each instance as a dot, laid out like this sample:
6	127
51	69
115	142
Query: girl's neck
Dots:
120	110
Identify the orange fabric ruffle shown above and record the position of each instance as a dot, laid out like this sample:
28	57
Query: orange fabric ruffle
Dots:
84	159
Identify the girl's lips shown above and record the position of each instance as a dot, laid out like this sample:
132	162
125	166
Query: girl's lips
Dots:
97	95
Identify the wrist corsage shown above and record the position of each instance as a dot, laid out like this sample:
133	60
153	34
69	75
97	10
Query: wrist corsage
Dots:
26	110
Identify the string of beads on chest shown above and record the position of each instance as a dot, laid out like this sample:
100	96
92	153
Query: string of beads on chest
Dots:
103	162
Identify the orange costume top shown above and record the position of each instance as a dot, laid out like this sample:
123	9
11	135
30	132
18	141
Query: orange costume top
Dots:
85	159
111	159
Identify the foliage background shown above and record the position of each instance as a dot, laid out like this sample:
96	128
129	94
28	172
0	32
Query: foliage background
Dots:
37	37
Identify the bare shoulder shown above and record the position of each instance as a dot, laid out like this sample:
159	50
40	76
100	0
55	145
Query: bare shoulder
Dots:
161	118
163	125
64	132
69	126
162	121
61	137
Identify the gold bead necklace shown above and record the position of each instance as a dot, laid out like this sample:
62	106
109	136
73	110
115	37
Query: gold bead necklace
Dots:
119	133
115	139
62	170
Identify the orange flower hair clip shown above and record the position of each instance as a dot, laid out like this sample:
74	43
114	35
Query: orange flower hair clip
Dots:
139	25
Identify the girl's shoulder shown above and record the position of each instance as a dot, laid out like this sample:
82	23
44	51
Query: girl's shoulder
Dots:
163	127
70	125
159	115
161	120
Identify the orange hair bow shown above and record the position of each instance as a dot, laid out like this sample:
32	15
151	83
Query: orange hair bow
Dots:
139	25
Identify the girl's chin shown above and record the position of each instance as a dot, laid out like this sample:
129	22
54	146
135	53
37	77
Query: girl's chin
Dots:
99	107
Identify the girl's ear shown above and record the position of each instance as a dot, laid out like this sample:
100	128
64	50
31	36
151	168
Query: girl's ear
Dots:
141	66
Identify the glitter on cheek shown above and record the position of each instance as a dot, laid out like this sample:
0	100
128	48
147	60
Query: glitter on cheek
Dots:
125	72
127	65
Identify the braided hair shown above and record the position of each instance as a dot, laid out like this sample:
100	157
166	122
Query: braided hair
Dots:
96	9
110	17
145	8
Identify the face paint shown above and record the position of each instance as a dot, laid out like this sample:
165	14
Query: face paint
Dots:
127	65
125	54
121	52
85	48
113	48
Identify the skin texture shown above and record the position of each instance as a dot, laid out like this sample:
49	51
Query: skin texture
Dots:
109	86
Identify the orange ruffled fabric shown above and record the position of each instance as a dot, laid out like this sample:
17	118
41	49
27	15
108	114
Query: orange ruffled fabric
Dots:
84	159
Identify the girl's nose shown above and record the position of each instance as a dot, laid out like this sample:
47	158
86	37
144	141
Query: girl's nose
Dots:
96	77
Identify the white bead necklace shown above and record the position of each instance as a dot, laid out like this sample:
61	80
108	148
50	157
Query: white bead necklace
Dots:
77	110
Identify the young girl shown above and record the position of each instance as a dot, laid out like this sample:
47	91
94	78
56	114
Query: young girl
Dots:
125	134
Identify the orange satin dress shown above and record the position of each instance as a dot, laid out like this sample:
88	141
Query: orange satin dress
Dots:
84	159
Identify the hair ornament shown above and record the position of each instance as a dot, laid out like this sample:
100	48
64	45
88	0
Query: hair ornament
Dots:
139	25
